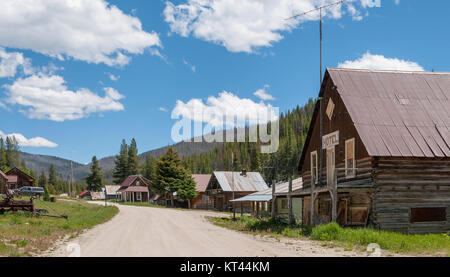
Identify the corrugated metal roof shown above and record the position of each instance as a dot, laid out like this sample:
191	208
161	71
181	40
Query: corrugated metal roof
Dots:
397	113
266	195
112	189
201	181
254	198
230	181
134	189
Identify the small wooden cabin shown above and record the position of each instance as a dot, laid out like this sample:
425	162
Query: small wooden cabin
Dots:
135	189
224	185
17	179
380	157
202	201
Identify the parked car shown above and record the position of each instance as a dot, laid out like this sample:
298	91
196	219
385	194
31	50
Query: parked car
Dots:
31	191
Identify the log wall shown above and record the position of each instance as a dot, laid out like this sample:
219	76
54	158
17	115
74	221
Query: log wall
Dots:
403	184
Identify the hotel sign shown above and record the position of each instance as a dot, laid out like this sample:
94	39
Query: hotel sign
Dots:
330	140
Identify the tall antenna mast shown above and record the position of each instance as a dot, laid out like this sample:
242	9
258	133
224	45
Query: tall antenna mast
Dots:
320	25
320	66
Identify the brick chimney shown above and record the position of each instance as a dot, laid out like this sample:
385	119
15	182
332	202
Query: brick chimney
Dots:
244	172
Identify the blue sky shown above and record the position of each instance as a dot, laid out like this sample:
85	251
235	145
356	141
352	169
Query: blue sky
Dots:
238	49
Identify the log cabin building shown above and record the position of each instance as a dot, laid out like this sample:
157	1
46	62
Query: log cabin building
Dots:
225	186
14	179
202	201
377	152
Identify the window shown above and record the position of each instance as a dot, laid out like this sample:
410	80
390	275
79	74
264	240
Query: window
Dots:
428	214
350	158
138	183
314	172
139	196
284	203
330	109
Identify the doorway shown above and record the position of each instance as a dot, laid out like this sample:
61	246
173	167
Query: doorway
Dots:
330	165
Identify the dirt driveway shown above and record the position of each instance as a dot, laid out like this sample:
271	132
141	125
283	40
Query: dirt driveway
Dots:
151	232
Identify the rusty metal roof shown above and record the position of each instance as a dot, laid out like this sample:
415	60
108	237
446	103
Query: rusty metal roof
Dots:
398	113
252	181
201	181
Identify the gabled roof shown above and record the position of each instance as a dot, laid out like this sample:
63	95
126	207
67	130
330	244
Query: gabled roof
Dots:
235	181
396	113
83	193
20	171
201	181
130	179
266	195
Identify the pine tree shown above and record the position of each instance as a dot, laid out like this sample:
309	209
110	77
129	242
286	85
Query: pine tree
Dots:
149	170
42	181
133	159
169	174
12	152
95	179
52	180
121	168
46	194
187	189
255	161
3	158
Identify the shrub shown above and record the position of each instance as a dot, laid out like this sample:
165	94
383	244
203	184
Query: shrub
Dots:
328	232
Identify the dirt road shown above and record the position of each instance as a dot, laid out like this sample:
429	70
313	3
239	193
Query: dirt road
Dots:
150	232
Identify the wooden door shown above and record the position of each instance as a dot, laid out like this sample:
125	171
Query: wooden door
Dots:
330	165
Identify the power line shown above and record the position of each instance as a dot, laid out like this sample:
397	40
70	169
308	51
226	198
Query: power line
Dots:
317	9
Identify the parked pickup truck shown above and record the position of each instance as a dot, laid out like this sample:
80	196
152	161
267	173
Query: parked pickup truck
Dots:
31	191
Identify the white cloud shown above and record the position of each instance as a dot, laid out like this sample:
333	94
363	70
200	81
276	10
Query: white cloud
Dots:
10	62
262	93
162	109
246	25
87	30
32	142
192	67
379	62
47	97
226	105
113	77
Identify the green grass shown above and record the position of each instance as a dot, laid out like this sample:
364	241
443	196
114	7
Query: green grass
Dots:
430	244
24	235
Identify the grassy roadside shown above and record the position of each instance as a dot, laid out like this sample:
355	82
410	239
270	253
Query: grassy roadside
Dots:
431	244
23	235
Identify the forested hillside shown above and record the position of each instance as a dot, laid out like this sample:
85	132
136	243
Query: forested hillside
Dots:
294	126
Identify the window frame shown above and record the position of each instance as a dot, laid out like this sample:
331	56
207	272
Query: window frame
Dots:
314	177
350	172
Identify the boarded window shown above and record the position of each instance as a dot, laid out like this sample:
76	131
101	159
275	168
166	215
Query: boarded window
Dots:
314	172
330	109
350	157
428	214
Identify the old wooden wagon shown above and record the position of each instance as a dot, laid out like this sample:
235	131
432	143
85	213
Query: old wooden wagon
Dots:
377	152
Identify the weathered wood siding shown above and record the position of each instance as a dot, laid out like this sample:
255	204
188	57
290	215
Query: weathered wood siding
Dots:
405	183
340	121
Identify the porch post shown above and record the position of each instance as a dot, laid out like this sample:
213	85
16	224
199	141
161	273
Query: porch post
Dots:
274	211
291	214
334	197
